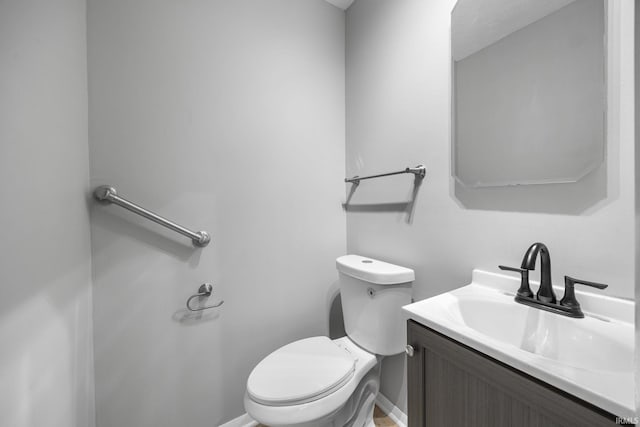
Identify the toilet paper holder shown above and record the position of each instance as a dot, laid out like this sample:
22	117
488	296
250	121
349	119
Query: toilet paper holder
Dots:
205	290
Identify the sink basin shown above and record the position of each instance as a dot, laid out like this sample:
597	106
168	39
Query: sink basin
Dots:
593	344
591	358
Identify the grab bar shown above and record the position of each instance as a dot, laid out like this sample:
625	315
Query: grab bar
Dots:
109	194
419	171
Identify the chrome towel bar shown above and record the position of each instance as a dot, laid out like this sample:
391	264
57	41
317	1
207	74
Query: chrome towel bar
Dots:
419	171
109	194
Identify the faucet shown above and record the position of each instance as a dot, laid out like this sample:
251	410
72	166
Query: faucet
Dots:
545	299
545	291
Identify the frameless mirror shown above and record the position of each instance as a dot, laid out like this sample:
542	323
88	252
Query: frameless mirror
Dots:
529	91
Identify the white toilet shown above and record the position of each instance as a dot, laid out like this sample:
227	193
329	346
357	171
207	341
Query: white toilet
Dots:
319	382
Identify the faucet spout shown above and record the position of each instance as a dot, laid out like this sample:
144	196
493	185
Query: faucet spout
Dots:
545	292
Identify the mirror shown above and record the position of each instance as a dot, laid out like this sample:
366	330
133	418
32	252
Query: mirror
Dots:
529	91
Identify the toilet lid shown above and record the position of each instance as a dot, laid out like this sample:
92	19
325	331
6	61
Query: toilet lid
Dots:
301	372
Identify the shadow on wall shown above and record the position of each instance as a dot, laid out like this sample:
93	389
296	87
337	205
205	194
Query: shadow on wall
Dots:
184	317
336	321
576	198
408	207
122	224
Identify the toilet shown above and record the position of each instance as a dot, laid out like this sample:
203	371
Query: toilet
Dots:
322	382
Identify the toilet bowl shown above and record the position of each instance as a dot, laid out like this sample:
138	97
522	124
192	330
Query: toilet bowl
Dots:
309	382
322	382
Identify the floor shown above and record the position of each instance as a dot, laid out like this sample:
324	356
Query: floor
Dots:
379	418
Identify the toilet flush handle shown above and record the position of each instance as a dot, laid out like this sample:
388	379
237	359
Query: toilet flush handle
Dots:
409	350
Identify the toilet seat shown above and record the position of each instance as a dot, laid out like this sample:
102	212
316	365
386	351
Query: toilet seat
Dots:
310	413
301	372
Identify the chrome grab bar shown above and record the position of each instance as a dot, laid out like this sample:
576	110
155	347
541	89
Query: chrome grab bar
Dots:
419	171
205	290
109	194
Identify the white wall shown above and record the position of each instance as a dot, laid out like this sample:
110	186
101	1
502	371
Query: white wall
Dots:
398	114
226	116
45	272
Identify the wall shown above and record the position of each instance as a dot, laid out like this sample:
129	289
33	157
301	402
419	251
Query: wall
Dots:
46	375
398	114
226	116
637	170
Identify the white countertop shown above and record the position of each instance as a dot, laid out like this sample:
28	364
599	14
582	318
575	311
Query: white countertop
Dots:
591	358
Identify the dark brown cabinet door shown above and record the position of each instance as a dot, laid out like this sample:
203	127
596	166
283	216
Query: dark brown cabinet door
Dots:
451	384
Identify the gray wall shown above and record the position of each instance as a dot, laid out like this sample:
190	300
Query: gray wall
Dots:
45	267
637	159
226	116
398	114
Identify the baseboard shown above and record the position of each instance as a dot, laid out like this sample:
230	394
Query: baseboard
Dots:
243	420
396	415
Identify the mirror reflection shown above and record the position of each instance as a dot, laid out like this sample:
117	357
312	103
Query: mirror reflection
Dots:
529	92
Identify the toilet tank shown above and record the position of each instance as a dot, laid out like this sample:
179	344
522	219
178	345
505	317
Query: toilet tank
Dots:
372	294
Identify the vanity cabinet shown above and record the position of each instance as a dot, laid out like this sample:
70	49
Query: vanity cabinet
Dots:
451	384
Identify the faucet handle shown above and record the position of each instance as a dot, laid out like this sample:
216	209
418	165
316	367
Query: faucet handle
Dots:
573	281
525	290
569	299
